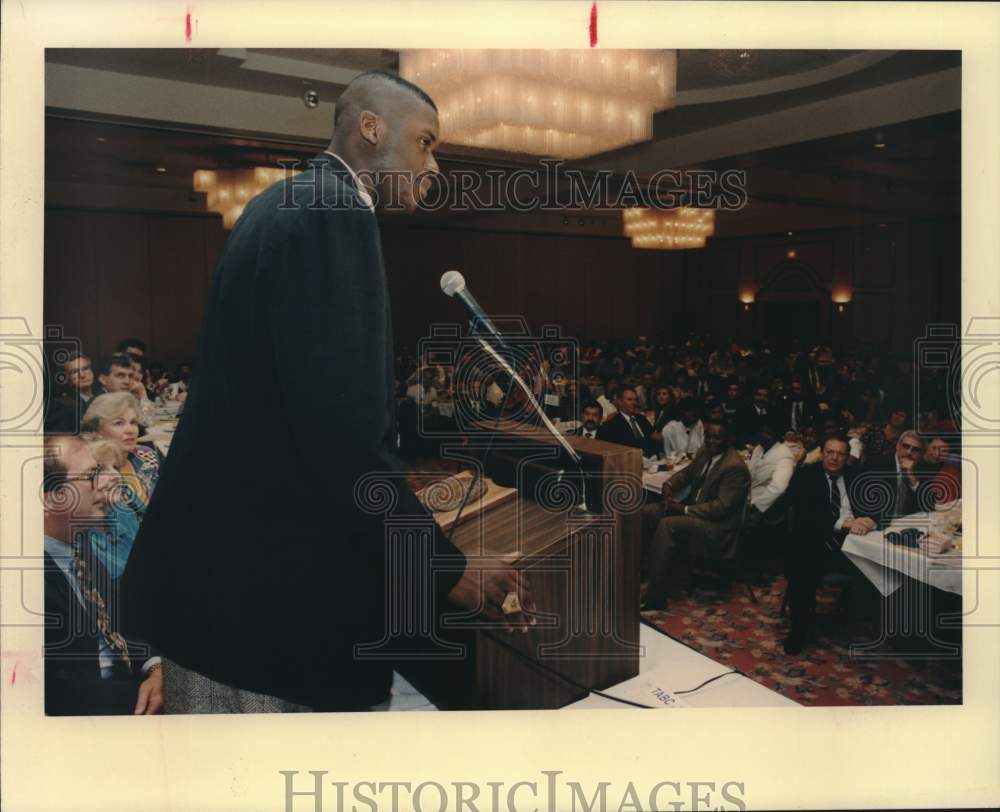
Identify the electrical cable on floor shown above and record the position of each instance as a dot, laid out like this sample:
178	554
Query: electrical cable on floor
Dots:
711	679
665	633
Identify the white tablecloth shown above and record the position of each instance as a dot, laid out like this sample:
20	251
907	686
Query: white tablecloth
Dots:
882	562
653	482
161	433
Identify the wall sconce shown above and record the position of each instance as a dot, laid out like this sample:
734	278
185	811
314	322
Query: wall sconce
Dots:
791	253
841	299
747	297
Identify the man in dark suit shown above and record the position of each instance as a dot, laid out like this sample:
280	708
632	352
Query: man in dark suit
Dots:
898	486
258	569
798	411
757	414
590	421
628	427
707	520
823	510
90	669
64	413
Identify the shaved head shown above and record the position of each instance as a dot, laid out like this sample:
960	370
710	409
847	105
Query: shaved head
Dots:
373	90
386	129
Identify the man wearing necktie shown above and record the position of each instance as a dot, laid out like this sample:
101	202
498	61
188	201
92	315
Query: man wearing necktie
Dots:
707	522
90	669
590	417
822	512
628	427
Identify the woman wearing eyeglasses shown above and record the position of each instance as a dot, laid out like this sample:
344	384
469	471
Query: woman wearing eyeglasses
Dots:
117	417
112	541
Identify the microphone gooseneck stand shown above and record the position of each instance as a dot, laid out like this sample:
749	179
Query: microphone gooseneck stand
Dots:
515	378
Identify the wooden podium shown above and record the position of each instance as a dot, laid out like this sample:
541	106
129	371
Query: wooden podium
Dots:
583	572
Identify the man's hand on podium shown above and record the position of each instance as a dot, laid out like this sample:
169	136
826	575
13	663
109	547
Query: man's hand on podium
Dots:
486	584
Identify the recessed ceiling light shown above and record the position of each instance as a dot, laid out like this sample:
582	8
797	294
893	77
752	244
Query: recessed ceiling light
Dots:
879	145
101	139
789	233
161	169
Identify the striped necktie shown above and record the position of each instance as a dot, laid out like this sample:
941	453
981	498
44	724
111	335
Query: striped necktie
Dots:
834	510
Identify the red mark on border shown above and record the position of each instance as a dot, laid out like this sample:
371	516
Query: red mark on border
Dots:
13	674
187	27
593	25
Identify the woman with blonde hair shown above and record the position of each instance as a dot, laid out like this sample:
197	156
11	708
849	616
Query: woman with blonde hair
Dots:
118	417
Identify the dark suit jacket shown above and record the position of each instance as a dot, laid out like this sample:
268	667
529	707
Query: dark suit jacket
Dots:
73	683
256	565
809	412
875	486
810	518
717	500
617	430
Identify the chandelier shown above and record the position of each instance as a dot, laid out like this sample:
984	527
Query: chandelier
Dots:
564	103
673	228
227	191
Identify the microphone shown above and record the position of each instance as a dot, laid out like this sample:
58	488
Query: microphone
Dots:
453	284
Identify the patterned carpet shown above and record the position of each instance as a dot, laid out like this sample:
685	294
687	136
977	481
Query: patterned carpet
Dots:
731	629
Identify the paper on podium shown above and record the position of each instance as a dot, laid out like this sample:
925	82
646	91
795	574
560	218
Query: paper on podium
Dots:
444	497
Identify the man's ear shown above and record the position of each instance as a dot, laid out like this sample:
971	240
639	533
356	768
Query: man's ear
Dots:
370	126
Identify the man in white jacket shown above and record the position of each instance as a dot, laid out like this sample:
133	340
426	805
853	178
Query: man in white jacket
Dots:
771	467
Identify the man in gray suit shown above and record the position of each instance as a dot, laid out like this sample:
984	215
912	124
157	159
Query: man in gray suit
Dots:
707	520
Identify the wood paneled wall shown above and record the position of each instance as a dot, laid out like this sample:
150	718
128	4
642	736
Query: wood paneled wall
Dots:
111	275
115	274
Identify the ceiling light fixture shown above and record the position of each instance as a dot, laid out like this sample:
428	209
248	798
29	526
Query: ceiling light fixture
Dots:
227	191
568	103
671	229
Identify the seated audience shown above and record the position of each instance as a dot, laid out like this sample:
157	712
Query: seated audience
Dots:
424	393
708	519
644	393
878	443
664	410
799	408
823	509
609	397
117	417
627	426
946	477
90	669
139	390
112	542
771	467
734	407
894	485
687	435
79	378
64	413
808	451
757	415
115	374
132	346
590	421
